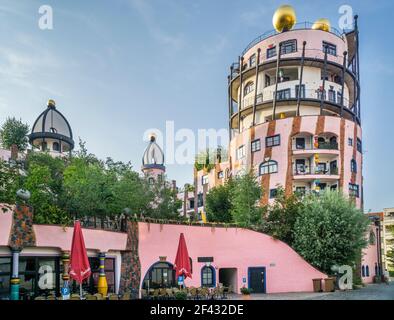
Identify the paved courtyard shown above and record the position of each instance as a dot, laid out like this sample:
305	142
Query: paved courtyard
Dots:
370	292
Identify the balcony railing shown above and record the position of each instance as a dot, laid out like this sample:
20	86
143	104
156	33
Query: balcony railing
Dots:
306	170
298	26
292	94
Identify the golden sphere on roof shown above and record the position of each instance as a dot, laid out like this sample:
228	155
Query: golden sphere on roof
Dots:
322	24
284	18
51	103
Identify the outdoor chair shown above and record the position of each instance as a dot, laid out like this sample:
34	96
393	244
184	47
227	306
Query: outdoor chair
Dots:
170	294
214	293
51	297
221	292
162	293
99	296
113	296
204	293
75	297
156	294
90	297
194	293
126	296
40	298
144	294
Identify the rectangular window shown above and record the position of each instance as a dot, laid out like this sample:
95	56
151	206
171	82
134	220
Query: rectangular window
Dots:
271	52
359	145
267	80
300	143
297	89
354	190
256	145
272	141
252	60
350	142
283	94
191	203
353	166
5	275
300	190
331	96
321	168
273	193
339	97
288	46
241	152
205	179
330	48
220	175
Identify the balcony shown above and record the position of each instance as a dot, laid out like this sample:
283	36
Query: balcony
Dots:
305	173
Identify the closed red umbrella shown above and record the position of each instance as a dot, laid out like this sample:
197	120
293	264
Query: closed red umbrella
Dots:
182	261
79	262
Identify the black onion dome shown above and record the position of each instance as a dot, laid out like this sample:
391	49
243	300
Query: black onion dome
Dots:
153	156
51	124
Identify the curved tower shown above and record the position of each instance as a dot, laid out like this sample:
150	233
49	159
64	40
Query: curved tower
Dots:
294	109
153	160
52	132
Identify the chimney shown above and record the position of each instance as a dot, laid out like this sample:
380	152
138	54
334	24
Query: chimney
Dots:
14	152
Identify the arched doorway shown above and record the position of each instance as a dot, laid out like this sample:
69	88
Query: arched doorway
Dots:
160	275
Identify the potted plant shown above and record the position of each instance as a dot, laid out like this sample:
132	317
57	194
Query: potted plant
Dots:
246	293
181	295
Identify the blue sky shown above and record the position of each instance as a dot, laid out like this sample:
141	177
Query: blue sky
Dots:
119	67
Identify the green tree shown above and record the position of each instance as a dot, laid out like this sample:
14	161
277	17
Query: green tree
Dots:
14	131
43	199
245	196
218	203
280	217
330	230
10	182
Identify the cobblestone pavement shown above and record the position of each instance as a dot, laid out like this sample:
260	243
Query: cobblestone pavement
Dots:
370	292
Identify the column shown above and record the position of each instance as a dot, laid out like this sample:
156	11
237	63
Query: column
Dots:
15	281
102	285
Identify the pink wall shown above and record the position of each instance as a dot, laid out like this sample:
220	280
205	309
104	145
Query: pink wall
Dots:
370	257
5	225
231	248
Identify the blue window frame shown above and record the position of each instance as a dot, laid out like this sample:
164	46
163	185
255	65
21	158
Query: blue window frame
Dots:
208	276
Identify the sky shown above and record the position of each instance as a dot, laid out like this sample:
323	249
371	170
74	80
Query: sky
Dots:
117	68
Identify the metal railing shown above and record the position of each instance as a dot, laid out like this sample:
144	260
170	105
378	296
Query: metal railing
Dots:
298	26
306	170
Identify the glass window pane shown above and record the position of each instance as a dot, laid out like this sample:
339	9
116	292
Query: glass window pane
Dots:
5	265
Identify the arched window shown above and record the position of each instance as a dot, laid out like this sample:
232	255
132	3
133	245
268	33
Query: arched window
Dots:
159	275
367	271
151	180
56	146
249	87
208	277
363	271
268	167
353	166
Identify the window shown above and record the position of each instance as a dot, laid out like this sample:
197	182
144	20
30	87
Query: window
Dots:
363	271
350	142
256	145
191	203
5	275
200	200
205	179
323	75
56	146
249	87
151	180
273	193
321	168
268	167
252	60
272	141
359	145
241	152
267	80
271	52
372	238
330	48
220	175
332	95
227	173
300	143
208	276
300	190
160	275
288	46
353	166
367	271
297	89
283	94
354	190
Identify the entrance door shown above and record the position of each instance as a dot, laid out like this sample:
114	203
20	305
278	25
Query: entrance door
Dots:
257	279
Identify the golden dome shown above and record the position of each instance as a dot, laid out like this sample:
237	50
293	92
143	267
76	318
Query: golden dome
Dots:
51	103
322	24
284	18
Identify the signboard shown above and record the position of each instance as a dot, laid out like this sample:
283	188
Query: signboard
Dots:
205	259
180	280
243	280
65	291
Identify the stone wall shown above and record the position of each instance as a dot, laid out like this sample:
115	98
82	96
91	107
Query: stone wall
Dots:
130	276
22	233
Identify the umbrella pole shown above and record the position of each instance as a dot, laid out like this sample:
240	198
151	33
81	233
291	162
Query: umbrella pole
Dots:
80	290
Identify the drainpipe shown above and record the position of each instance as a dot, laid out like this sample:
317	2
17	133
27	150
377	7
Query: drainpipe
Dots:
301	75
256	85
358	68
276	81
230	102
343	82
241	61
324	80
